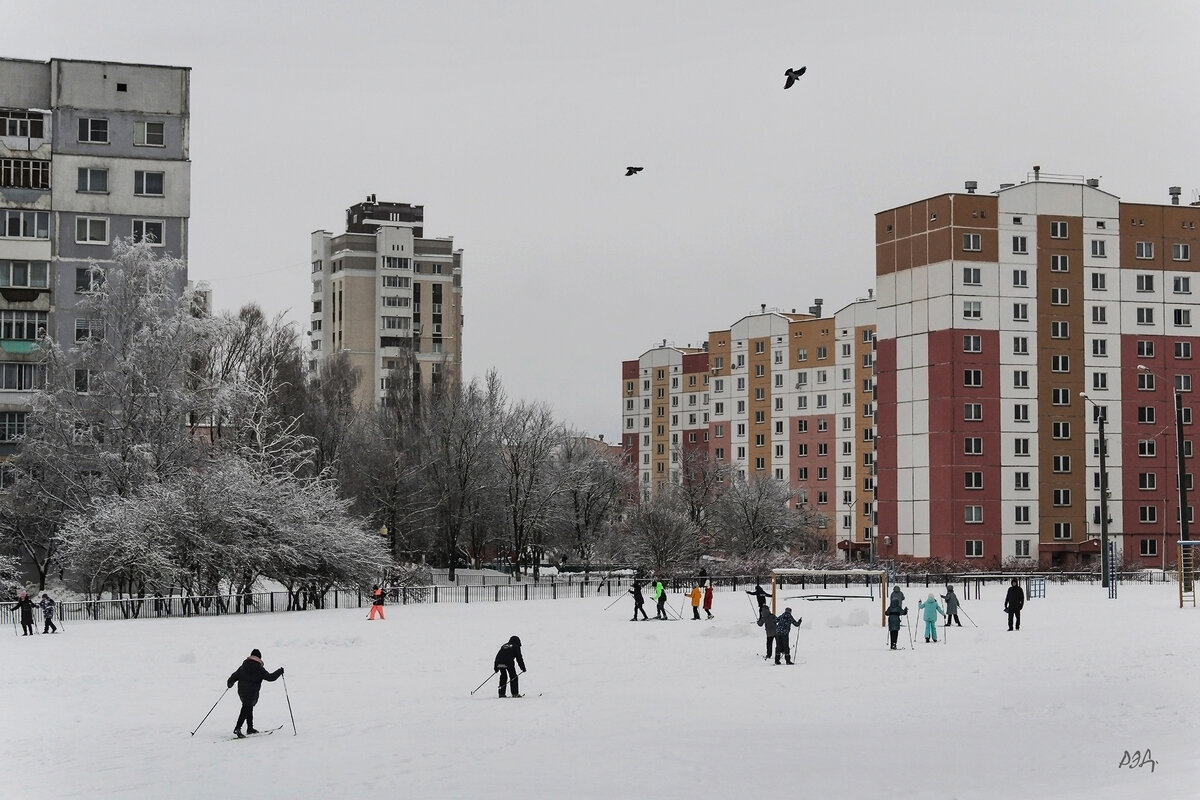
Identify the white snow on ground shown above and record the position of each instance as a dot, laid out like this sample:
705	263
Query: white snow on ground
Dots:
653	709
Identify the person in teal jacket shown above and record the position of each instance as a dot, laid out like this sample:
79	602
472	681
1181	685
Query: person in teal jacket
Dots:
660	597
931	609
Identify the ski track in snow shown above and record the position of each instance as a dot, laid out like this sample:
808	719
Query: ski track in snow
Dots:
628	708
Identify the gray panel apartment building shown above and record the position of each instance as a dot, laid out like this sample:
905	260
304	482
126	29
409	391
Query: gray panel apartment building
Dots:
89	151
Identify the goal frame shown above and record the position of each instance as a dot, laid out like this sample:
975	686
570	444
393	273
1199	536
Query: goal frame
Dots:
839	573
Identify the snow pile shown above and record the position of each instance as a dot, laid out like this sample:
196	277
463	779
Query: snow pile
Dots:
653	709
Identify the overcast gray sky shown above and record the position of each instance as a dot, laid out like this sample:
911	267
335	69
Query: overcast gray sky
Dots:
512	123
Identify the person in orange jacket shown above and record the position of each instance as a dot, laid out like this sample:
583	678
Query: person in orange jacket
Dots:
377	604
695	595
708	599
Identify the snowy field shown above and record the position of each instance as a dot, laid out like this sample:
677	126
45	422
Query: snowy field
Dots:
652	709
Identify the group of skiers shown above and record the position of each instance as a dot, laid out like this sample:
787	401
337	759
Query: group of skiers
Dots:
930	610
698	597
25	606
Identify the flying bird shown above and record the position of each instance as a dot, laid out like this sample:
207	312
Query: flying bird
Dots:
792	74
632	171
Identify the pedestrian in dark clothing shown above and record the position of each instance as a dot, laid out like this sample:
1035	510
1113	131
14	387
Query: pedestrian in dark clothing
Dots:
767	621
895	611
896	594
708	599
660	597
951	606
760	594
639	602
25	606
783	634
47	606
249	677
1014	601
506	663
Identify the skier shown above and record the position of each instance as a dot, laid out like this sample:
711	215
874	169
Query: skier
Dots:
506	662
1014	601
951	605
377	604
783	634
660	597
896	594
760	594
767	621
931	609
25	606
895	610
639	602
708	599
47	606
249	677
695	595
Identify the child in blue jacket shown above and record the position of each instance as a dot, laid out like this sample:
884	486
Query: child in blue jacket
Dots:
931	609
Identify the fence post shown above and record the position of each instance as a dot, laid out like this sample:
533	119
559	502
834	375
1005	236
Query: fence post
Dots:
527	591
435	594
554	591
272	604
497	587
466	593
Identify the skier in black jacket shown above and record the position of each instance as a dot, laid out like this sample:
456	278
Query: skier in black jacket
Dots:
25	606
639	602
1014	601
249	677
506	662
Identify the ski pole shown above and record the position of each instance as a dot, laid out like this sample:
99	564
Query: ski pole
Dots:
753	607
613	603
968	616
219	699
485	680
910	637
289	702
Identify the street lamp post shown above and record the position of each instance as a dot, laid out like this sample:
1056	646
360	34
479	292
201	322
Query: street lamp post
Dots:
1102	415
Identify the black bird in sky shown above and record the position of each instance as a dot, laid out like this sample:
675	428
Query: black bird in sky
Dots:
792	74
632	171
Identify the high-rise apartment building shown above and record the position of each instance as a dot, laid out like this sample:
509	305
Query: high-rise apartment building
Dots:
783	395
89	151
389	298
1008	323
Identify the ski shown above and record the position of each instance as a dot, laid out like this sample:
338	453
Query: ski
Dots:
266	732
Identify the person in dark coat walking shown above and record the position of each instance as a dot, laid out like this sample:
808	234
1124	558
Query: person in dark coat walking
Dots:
249	677
25	606
783	634
639	602
47	606
895	611
951	606
506	663
766	621
896	594
1014	601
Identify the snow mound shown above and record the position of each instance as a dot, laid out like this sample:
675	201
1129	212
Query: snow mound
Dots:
855	619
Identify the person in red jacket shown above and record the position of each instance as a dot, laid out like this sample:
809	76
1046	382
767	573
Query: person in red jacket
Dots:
708	599
249	677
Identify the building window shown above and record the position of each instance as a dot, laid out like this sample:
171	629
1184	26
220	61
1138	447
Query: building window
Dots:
1181	252
1060	363
1021	412
22	325
26	124
149	134
1020	379
1060	263
1181	284
147	183
399	282
973	412
1021	312
1060	329
972	309
973	446
1059	296
1143	250
25	224
12	425
1062	530
1147	481
1061	430
21	377
1021	548
91	230
1100	379
1020	345
1098	248
24	274
92	180
1183	317
1149	547
88	279
1058	229
148	230
1183	349
971	276
1099	315
973	515
1020	278
1183	383
1020	245
1144	282
974	547
1061	464
1145	415
24	173
93	130
1021	481
972	243
1061	497
1145	348
1146	448
973	377
1021	515
1021	446
973	480
1060	397
1099	281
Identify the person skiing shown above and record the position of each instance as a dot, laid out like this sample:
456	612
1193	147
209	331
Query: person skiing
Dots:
377	603
695	596
708	591
1014	601
767	621
506	662
249	677
896	594
25	606
660	597
931	610
783	634
639	602
47	606
951	605
760	594
895	610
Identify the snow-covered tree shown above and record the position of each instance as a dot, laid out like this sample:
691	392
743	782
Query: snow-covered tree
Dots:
757	517
660	537
594	482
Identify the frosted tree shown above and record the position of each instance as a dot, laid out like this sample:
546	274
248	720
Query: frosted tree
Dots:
660	537
756	518
702	480
594	482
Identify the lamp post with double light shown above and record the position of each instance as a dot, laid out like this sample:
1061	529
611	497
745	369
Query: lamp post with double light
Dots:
1101	416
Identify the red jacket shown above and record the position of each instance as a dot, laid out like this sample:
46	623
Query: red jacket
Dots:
707	597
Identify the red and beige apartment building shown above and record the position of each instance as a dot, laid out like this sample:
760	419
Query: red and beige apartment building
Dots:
778	394
1007	324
